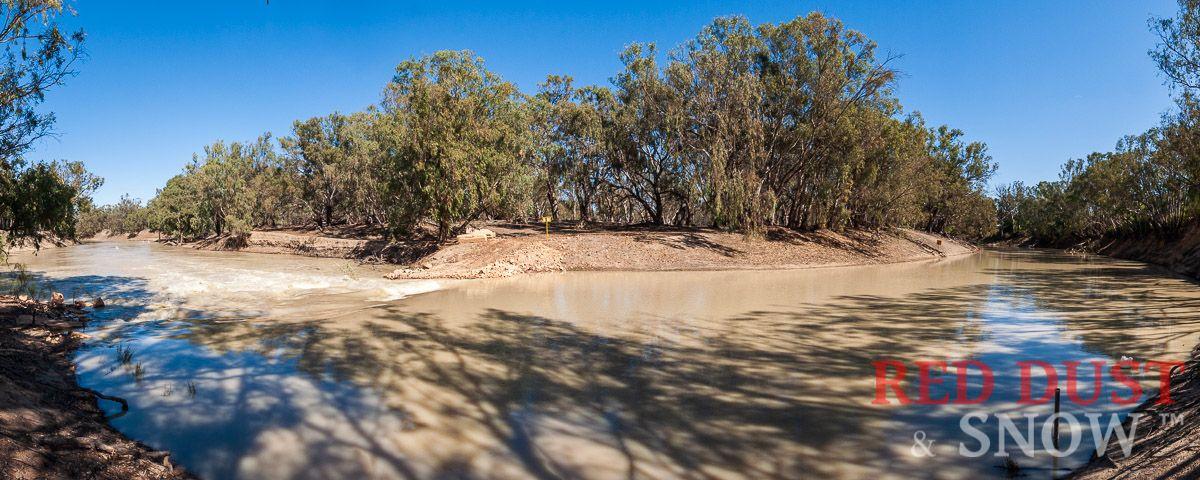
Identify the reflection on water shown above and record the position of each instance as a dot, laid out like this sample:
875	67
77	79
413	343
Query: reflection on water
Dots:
275	367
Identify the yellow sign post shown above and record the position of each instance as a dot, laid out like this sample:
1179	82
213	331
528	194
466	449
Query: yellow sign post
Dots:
546	220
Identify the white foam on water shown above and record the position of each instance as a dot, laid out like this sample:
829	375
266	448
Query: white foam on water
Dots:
215	284
252	283
398	289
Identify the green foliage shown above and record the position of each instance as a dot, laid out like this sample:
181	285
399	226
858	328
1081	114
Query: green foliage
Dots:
34	203
955	202
76	175
1146	184
1178	52
222	192
555	144
127	216
176	210
453	138
37	56
742	127
336	163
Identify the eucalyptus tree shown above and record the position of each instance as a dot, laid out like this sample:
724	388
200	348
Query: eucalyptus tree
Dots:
175	210
454	144
84	183
645	136
890	182
34	203
1178	57
1013	202
585	131
323	154
1178	51
126	216
742	127
719	77
368	195
219	192
961	171
1150	183
555	144
76	175
37	56
817	75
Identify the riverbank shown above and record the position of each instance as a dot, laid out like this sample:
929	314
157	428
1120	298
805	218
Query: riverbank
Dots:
519	250
50	427
346	243
48	243
1178	251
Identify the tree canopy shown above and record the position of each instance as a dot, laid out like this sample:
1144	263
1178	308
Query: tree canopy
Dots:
35	201
743	127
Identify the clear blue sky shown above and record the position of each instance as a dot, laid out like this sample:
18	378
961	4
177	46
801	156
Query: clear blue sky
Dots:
1040	82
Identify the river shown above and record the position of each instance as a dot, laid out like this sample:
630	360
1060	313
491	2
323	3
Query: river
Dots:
252	366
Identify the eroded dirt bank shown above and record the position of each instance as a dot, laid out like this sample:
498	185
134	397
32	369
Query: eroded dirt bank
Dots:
1178	251
50	427
346	242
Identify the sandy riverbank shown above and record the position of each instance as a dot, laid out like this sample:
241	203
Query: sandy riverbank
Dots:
519	250
50	427
345	243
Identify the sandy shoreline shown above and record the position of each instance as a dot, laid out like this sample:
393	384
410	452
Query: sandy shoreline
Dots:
51	428
516	251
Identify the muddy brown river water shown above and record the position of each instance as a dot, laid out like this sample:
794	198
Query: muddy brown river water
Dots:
274	367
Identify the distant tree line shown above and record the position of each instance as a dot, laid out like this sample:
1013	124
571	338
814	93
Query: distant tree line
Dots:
1149	183
742	127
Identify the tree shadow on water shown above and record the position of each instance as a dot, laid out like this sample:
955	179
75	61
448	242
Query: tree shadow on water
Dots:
779	392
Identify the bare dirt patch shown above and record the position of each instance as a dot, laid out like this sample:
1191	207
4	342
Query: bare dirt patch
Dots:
108	236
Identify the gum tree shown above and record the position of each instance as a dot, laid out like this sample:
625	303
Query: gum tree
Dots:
37	56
